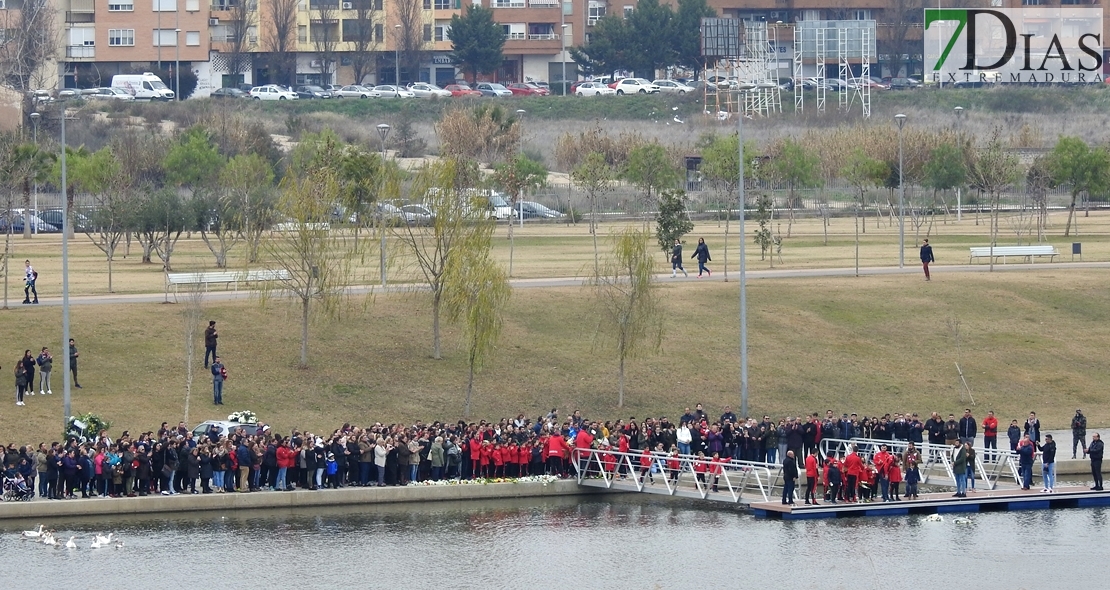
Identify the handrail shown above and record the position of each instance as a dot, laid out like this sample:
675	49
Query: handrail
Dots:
932	455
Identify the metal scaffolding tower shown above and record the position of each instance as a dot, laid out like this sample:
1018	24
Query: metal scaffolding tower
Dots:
851	44
748	68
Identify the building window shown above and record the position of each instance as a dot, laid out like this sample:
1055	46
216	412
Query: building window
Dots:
121	5
192	38
627	11
596	11
192	5
165	5
302	34
443	30
121	37
863	14
427	33
1030	2
427	4
378	5
443	4
379	33
165	38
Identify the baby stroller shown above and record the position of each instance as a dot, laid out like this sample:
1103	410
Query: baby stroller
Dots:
16	489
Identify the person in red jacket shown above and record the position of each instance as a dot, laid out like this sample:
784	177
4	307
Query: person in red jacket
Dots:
582	443
497	457
553	450
990	435
485	457
622	447
853	468
609	461
882	464
717	468
474	445
645	466
894	472
523	458
673	465
701	466
811	477
285	458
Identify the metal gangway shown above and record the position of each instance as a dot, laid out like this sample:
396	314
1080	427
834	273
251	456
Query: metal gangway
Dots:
740	482
991	465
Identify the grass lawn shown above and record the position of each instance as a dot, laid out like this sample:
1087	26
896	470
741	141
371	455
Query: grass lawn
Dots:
1030	341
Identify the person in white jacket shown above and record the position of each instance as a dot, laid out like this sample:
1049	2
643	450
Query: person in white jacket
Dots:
683	437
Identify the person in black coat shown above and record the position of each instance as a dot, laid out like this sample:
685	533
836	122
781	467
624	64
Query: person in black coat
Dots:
1095	453
926	256
676	258
702	254
205	465
790	478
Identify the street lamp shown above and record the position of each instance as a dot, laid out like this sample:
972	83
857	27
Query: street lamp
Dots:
901	119
66	375
743	271
383	132
35	116
177	63
959	189
563	53
396	74
519	203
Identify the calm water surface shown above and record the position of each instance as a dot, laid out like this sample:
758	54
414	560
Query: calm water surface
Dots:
632	541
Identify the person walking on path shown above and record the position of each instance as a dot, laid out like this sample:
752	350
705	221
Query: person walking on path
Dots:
702	254
1079	433
1095	453
29	370
210	337
73	362
219	373
926	257
29	278
1048	463
46	364
676	259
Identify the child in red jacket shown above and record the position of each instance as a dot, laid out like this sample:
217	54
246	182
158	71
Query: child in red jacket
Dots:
497	457
485	456
717	468
701	466
894	472
645	466
673	465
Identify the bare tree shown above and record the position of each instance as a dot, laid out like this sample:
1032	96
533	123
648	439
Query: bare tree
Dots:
324	33
242	37
30	40
895	23
191	317
358	33
281	39
410	35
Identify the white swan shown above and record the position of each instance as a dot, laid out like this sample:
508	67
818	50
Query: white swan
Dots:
962	520
119	544
95	544
934	518
104	540
32	534
48	539
70	544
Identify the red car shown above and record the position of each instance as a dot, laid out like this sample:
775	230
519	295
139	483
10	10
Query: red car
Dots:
458	90
527	89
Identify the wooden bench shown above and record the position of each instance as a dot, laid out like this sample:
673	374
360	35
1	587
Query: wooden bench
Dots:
230	278
1028	252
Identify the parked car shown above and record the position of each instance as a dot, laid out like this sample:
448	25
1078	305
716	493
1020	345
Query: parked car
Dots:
636	86
391	91
15	224
527	89
838	85
866	82
221	93
672	87
272	92
109	93
352	91
225	428
723	82
493	89
393	215
904	84
310	92
417	214
79	221
332	87
593	89
426	90
500	207
702	86
460	90
534	210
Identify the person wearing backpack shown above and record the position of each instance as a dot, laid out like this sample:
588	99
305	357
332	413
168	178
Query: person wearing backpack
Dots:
219	375
30	275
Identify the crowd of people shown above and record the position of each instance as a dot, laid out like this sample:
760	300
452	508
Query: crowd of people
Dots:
43	364
173	461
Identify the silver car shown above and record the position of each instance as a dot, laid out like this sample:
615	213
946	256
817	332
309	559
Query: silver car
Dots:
425	90
672	87
493	89
390	91
352	91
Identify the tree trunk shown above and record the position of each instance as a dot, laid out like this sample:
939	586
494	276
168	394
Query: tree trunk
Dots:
304	331
110	274
436	299
620	383
1071	215
469	383
511	244
728	218
27	211
593	232
7	258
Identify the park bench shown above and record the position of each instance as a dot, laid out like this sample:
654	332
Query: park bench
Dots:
292	226
1027	252
230	278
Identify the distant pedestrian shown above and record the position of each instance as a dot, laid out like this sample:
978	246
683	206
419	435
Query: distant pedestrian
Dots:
702	254
1033	427
1048	463
676	259
1095	453
210	337
1079	433
46	364
29	370
30	275
73	362
790	478
926	257
20	382
219	374
1014	434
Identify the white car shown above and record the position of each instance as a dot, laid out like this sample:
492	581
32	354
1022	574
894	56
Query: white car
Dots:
352	91
593	89
636	86
672	87
425	90
272	92
493	89
390	91
109	93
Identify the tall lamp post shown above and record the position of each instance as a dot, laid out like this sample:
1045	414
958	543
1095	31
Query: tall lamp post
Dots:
396	72
383	132
901	119
563	53
743	272
66	361
520	203
35	116
177	64
959	189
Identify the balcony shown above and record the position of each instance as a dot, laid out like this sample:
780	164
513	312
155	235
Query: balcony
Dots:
80	52
80	17
516	36
81	6
544	37
544	3
507	4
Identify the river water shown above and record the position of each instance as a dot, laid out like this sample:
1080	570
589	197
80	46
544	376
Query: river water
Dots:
624	541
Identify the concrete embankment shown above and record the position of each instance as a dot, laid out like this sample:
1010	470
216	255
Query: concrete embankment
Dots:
44	509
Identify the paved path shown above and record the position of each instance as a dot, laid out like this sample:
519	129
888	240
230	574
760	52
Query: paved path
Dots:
939	271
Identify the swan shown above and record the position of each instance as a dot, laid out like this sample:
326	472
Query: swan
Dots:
962	520
95	544
934	518
32	534
119	544
70	544
48	539
104	540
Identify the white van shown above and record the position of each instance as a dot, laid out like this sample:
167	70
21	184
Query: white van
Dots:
144	86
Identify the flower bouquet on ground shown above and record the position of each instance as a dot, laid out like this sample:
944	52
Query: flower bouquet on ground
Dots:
243	417
543	479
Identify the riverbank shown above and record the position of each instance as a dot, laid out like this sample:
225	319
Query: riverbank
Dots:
45	510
